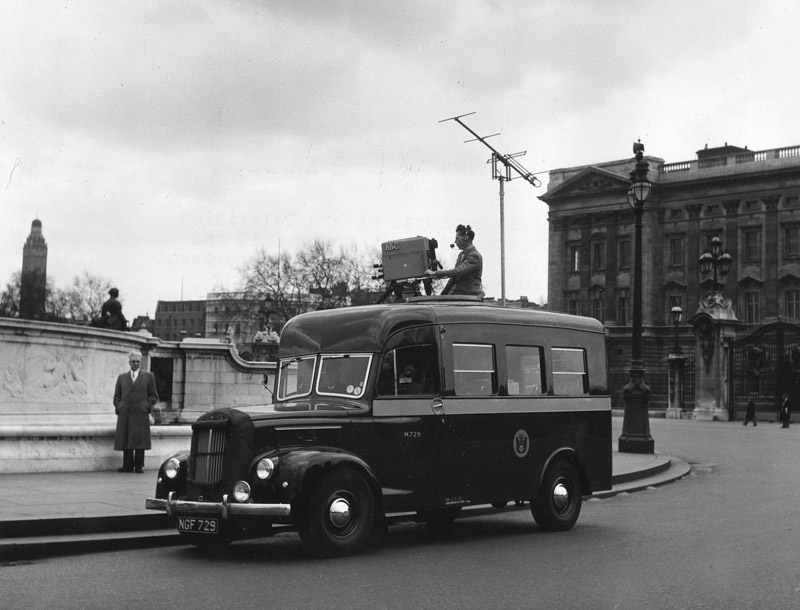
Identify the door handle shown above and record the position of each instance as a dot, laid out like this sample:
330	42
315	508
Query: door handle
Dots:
437	406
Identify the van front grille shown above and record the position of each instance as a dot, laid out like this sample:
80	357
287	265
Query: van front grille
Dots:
210	456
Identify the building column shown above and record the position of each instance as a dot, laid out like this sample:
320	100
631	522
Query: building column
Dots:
770	296
693	254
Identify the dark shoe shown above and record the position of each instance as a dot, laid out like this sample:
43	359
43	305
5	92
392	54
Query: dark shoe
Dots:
139	471
124	470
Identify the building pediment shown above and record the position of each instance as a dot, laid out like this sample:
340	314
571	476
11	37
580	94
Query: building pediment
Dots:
749	280
673	285
590	181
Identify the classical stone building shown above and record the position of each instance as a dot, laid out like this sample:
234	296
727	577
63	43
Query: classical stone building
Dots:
33	280
749	199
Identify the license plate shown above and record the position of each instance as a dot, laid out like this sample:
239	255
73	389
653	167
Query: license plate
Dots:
198	525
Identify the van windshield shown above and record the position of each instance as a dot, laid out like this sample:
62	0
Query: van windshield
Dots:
329	375
295	377
343	375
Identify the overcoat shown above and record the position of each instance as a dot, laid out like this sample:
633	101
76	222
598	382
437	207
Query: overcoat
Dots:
133	403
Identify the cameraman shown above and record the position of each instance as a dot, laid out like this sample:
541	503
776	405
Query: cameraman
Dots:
465	277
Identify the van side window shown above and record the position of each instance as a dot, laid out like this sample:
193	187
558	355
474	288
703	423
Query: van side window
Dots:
408	371
569	371
524	364
473	365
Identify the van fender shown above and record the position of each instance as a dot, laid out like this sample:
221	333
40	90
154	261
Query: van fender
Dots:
301	469
569	454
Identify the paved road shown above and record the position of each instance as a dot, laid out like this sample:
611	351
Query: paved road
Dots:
726	536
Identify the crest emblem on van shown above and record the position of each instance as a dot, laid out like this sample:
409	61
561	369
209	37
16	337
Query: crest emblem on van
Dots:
521	443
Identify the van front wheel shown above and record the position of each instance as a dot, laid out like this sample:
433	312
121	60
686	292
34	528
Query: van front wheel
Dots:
558	504
339	515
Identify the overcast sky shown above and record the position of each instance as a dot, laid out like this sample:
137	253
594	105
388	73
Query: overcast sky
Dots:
162	144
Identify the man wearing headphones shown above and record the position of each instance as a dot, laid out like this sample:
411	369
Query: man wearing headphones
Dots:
465	277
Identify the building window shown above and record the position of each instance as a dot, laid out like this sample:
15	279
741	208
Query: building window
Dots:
674	300
624	253
752	307
598	256
598	305
574	259
791	202
792	303
623	309
791	242
573	307
675	248
752	245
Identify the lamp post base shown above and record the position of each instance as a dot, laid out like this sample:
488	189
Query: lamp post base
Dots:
636	444
635	437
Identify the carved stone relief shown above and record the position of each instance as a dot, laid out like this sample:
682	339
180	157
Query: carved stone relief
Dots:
42	373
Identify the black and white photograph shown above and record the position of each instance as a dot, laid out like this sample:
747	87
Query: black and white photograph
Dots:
359	304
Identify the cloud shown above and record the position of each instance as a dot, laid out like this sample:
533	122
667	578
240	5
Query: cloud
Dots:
161	143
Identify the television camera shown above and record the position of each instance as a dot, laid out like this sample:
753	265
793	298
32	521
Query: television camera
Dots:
403	266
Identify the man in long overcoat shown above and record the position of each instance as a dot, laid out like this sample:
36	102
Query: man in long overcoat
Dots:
134	397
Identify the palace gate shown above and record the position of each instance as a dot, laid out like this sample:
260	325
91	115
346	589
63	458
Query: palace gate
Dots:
764	363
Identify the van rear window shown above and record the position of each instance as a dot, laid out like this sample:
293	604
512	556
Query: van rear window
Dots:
474	369
569	371
524	366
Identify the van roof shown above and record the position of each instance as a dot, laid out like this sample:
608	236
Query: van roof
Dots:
366	328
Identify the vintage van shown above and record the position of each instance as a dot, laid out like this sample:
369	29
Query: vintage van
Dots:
424	407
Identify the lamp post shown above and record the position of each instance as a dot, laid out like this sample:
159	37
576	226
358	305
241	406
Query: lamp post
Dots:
677	314
717	261
635	436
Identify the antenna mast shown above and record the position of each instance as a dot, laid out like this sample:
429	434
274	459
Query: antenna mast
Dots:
508	162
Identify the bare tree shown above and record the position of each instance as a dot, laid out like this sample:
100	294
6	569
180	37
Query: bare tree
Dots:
358	268
9	299
273	281
84	299
322	270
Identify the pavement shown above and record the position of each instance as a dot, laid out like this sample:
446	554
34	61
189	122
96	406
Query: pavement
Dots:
62	513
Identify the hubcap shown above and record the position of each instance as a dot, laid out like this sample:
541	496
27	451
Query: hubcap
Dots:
339	512
560	496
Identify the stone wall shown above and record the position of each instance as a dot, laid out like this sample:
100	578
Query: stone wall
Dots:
57	384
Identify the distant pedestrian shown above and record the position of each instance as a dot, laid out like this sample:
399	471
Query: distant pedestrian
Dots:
786	410
750	414
134	397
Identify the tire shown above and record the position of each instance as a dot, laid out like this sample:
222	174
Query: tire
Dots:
339	515
558	504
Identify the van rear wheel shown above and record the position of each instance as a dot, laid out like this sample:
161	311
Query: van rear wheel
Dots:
558	504
339	516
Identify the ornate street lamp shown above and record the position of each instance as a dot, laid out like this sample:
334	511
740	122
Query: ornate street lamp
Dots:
635	436
717	261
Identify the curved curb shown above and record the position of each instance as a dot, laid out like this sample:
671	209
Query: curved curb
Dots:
671	470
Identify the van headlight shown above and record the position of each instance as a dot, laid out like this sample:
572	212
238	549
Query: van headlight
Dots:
265	468
241	491
172	467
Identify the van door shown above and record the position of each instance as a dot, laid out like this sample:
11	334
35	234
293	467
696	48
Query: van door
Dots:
473	417
409	426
